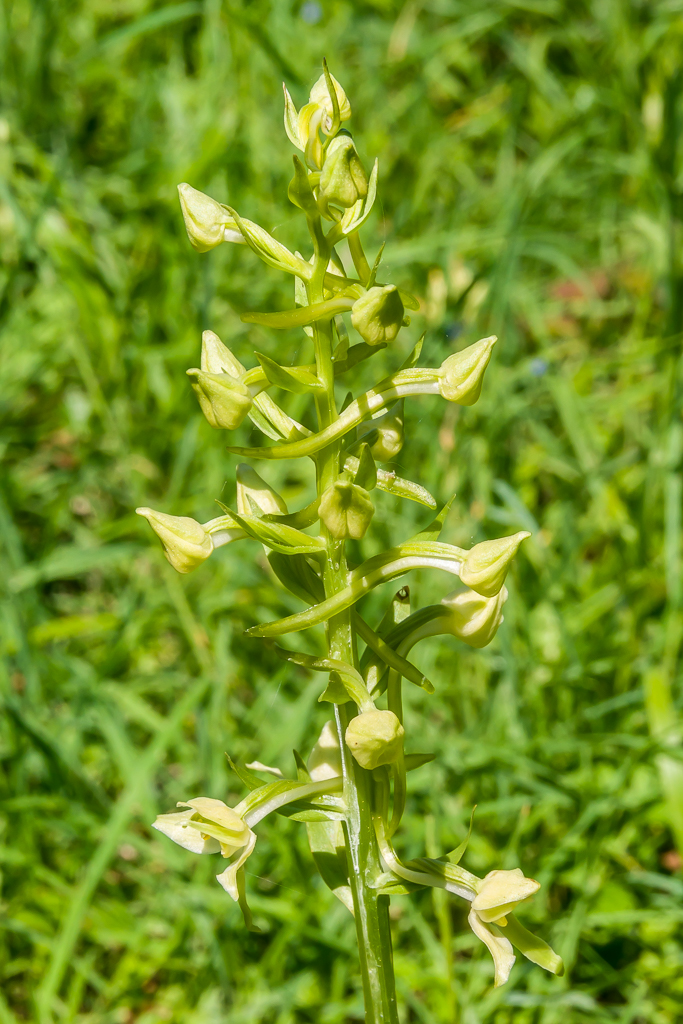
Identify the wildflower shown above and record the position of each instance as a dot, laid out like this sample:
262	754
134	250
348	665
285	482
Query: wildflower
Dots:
498	894
486	564
206	221
210	826
343	180
378	315
224	400
186	543
462	374
375	738
346	510
474	619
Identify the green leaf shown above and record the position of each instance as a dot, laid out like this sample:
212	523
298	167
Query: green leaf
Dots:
456	855
245	775
396	485
354	355
353	686
414	355
296	379
299	520
433	531
279	537
414	761
296	574
389	657
366	474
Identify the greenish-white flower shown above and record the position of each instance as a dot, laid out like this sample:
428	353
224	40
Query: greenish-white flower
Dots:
210	826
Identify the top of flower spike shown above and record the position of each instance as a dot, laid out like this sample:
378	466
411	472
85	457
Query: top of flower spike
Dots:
320	94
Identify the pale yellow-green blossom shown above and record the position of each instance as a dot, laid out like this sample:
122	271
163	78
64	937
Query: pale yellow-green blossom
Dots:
207	222
375	738
462	374
346	510
378	315
185	541
486	565
473	618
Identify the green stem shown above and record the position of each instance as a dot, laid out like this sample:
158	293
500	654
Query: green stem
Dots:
371	910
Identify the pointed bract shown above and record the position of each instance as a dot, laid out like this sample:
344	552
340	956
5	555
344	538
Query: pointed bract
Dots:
325	760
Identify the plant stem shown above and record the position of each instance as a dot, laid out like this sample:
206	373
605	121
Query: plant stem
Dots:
371	910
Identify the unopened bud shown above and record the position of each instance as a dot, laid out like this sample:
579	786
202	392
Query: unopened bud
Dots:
375	738
320	95
223	400
251	485
346	510
487	564
343	180
500	892
186	543
205	219
325	758
462	374
217	357
474	619
378	315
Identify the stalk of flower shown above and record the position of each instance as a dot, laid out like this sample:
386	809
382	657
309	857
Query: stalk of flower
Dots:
350	793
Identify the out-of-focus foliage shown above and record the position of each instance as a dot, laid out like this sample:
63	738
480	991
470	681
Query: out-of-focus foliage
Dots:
531	180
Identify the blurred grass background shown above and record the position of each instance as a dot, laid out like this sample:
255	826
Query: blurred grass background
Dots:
531	182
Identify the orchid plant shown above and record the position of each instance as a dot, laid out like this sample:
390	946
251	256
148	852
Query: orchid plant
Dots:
351	792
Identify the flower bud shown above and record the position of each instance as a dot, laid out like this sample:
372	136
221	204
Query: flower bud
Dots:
462	374
186	542
321	96
378	315
343	180
500	892
325	758
473	618
346	510
250	485
205	219
223	400
375	738
217	357
487	564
